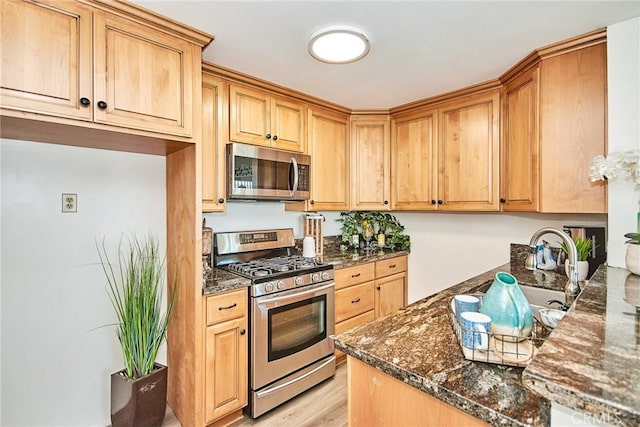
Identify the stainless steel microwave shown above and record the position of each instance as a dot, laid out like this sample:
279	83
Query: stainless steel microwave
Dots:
260	173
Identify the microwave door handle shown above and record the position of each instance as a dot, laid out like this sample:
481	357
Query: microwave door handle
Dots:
294	187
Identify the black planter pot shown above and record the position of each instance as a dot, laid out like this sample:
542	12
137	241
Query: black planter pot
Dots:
141	402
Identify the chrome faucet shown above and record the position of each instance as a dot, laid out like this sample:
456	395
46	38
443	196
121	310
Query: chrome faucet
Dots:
572	289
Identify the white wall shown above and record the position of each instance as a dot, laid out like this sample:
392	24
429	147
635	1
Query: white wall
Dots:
56	365
623	61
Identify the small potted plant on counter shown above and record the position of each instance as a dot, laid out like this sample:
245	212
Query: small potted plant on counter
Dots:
584	247
134	285
632	257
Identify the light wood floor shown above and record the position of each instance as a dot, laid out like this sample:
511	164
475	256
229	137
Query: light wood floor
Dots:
324	405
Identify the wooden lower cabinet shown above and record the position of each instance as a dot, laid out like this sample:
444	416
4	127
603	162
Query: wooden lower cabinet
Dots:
377	399
226	356
367	291
390	294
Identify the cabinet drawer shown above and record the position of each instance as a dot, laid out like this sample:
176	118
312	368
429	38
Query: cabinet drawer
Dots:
391	266
355	321
354	300
352	275
226	306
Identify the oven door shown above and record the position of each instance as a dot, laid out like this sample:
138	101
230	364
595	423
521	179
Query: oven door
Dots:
290	330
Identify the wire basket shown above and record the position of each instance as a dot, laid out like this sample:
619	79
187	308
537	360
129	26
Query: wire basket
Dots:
502	349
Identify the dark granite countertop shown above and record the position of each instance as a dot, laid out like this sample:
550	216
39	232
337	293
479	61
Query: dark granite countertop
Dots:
591	362
222	281
350	258
417	345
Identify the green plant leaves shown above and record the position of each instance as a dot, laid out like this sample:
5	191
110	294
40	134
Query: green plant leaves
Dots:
634	238
583	247
134	286
388	224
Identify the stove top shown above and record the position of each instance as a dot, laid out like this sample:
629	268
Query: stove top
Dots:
277	266
266	257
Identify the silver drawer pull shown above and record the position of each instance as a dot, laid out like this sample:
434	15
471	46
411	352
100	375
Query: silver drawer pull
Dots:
229	307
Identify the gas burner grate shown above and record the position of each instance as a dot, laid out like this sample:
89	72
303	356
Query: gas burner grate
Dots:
266	267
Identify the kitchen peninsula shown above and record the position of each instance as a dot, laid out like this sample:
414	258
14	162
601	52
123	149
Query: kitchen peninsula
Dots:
415	349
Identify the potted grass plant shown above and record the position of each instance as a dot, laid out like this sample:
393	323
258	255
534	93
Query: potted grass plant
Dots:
584	247
135	287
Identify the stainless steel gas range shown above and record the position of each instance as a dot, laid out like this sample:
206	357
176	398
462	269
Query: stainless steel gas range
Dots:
292	314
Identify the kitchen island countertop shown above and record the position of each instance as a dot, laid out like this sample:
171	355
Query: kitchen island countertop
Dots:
589	363
418	346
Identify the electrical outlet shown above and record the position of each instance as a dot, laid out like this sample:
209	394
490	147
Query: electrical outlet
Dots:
69	203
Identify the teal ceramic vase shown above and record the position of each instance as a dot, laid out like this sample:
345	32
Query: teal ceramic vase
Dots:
510	312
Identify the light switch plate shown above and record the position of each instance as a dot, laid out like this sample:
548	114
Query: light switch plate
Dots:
69	203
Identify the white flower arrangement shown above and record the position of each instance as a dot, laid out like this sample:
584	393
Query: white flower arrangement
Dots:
618	163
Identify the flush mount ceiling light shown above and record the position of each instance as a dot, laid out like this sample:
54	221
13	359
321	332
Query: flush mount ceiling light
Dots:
338	45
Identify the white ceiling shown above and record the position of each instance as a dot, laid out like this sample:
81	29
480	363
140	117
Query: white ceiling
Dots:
418	48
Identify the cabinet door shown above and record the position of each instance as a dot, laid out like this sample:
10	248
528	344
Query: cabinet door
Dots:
370	156
226	368
468	154
249	116
46	58
329	150
390	294
573	100
519	163
288	125
143	76
414	166
214	98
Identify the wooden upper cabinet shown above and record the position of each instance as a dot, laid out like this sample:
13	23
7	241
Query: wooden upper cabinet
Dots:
370	158
554	124
468	153
70	60
328	145
259	118
214	98
519	162
329	150
573	99
46	55
143	77
288	125
414	168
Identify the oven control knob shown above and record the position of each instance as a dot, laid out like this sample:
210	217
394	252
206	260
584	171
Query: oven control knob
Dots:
315	277
299	281
268	287
325	275
280	284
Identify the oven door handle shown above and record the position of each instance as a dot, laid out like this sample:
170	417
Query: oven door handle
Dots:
297	294
295	380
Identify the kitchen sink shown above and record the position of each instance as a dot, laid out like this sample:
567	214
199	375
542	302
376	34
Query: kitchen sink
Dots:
538	298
